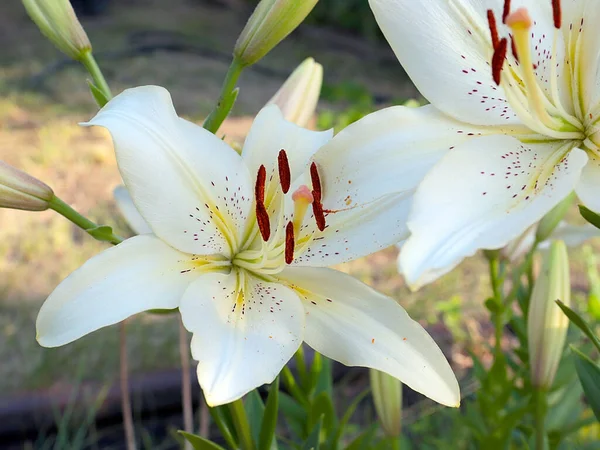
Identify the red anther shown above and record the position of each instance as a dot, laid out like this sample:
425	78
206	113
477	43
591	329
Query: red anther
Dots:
513	48
318	213
498	60
259	190
289	243
493	28
262	218
316	182
506	11
557	14
285	175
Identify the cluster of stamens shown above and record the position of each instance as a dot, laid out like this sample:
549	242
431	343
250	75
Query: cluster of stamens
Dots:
302	197
543	114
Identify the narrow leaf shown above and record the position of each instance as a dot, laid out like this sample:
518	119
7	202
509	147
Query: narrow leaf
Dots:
102	233
578	321
313	441
590	216
97	94
199	443
589	376
269	421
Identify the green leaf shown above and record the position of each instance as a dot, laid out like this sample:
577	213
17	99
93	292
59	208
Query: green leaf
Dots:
295	415
102	233
97	94
347	416
364	440
322	407
589	376
269	421
325	377
590	216
313	441
199	443
222	417
578	321
255	409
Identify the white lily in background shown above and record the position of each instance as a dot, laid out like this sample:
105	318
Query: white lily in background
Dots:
240	244
518	86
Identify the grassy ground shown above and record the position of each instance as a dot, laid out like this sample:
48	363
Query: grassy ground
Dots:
41	102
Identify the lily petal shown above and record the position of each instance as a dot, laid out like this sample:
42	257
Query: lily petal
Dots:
271	133
369	172
127	208
192	188
240	342
474	199
445	47
588	189
140	274
349	322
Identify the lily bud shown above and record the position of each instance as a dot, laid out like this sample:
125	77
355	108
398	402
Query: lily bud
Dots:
299	95
270	23
19	190
547	325
551	220
387	396
58	22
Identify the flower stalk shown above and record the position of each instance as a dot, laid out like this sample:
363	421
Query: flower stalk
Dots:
227	98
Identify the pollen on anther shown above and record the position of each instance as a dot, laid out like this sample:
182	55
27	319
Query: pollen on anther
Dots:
285	175
493	28
262	218
506	10
556	14
318	213
259	190
289	243
498	60
316	182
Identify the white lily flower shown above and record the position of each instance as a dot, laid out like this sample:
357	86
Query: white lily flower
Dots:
518	84
240	244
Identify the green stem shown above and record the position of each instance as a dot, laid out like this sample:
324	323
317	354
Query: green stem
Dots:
89	62
540	419
82	222
496	282
242	426
226	99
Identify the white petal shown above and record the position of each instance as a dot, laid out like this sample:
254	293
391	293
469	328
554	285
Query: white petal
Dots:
574	235
445	47
369	172
127	208
140	274
482	195
240	344
588	189
349	322
271	133
180	176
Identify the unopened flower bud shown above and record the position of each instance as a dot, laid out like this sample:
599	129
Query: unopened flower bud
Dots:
19	190
58	22
551	220
299	95
547	325
270	23
387	396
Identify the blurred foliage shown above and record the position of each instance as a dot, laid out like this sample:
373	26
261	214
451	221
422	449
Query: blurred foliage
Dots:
353	16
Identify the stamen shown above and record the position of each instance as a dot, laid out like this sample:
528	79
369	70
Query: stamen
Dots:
520	19
259	190
289	243
506	10
285	175
262	218
302	198
557	14
318	212
493	28
498	60
316	182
